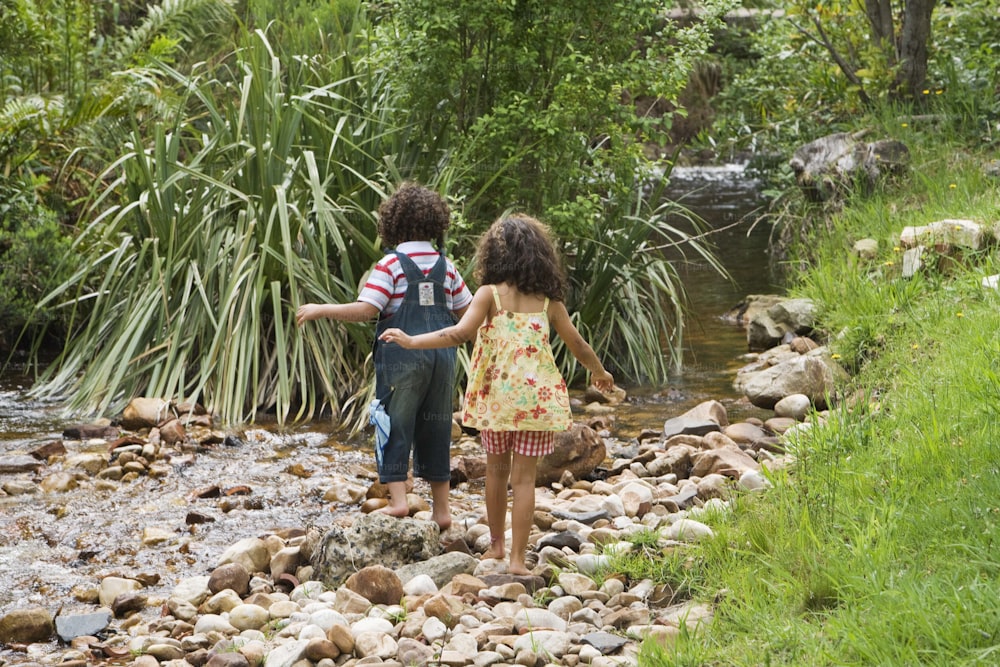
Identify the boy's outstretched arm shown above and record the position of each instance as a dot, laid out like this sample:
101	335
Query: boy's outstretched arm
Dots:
449	336
358	311
559	318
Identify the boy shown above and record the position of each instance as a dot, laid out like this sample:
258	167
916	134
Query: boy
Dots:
415	288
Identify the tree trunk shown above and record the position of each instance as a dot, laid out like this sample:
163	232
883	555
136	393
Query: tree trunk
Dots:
914	37
879	14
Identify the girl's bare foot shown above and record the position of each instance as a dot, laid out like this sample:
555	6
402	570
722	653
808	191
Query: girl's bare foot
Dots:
518	567
394	510
496	549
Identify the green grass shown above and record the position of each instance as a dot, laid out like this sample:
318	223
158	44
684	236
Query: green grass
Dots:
879	547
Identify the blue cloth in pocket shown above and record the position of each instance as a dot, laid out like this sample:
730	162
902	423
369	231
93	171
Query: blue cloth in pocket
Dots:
379	418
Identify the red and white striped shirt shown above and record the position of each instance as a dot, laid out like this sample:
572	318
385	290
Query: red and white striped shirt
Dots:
386	283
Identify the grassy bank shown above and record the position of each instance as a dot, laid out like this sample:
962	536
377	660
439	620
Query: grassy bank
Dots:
880	545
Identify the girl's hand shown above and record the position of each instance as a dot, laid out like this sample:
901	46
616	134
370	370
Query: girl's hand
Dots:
603	380
397	336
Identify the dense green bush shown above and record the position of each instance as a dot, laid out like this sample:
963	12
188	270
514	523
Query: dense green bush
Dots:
73	77
31	244
539	102
789	90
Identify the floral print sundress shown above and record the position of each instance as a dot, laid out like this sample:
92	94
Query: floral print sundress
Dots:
514	383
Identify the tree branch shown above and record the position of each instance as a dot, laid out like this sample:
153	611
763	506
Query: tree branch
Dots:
845	67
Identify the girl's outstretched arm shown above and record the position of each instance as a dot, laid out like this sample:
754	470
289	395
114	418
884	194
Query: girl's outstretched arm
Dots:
559	318
449	336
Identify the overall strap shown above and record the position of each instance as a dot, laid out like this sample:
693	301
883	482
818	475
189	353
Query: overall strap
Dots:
545	306
439	272
414	274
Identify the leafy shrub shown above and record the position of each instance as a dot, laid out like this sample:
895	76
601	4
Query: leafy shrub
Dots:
32	242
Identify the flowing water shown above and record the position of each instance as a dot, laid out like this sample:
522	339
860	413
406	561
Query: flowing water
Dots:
53	543
730	204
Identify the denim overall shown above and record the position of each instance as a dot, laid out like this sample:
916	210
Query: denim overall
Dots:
417	386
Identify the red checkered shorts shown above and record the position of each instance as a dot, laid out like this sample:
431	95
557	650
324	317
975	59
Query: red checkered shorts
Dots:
526	443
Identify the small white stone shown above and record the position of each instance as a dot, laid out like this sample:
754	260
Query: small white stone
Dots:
375	644
754	480
311	632
462	643
574	583
486	658
371	625
249	617
283	609
434	629
208	623
591	563
422	584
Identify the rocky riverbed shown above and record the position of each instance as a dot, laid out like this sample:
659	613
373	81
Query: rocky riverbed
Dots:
166	541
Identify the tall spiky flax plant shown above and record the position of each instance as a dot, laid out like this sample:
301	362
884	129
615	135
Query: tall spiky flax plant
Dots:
260	196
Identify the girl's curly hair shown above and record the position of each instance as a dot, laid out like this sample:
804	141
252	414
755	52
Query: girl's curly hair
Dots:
517	249
413	213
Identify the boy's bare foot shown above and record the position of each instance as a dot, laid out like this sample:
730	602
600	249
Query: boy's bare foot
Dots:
444	522
395	511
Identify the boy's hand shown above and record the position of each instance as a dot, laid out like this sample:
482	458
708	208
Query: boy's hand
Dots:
307	312
397	336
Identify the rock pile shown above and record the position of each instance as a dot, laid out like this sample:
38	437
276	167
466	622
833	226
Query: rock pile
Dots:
304	598
375	590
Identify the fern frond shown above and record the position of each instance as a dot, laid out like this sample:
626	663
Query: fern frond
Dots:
188	18
22	113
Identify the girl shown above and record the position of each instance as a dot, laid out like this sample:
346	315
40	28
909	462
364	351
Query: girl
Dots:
516	396
415	286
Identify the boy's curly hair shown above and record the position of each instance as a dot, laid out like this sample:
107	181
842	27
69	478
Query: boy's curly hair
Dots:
517	249
413	213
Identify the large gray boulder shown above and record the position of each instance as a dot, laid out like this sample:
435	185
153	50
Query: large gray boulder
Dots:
374	539
770	318
813	375
830	165
783	317
703	418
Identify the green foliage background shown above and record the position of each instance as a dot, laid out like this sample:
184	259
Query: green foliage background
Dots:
283	124
231	158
